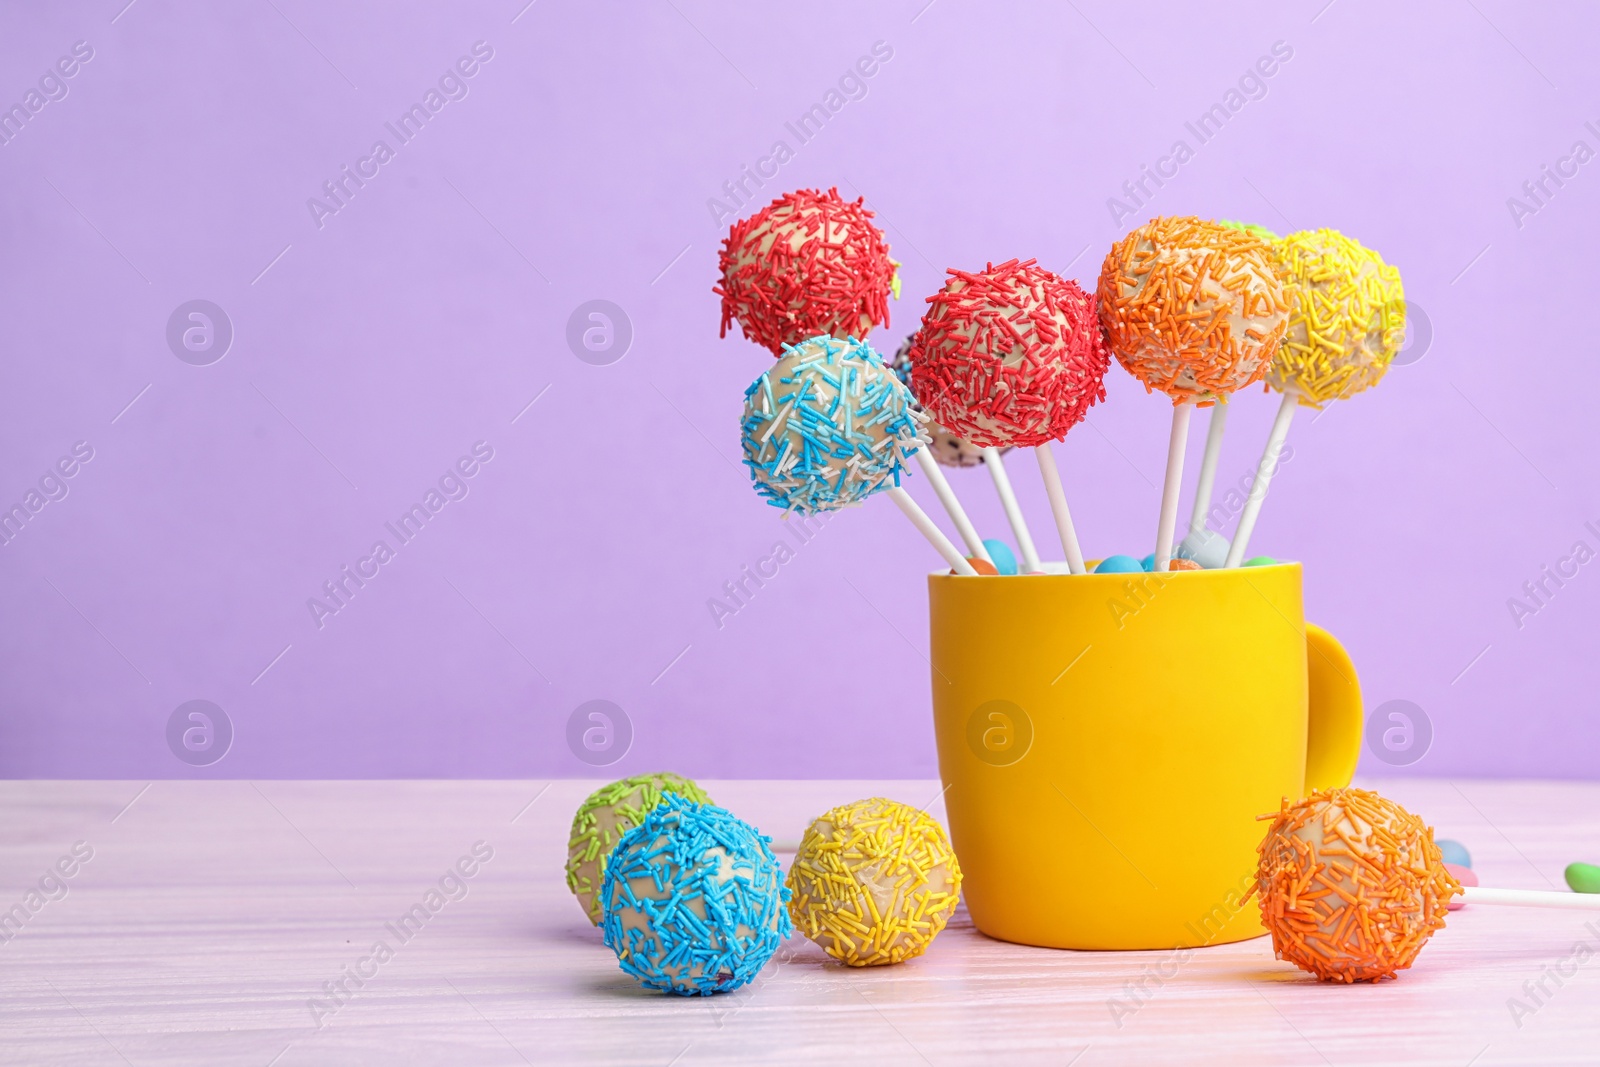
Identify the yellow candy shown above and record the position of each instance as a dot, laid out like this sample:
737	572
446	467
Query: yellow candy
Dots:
873	882
1347	315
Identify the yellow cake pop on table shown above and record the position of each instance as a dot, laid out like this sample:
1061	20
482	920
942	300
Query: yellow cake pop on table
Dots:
873	882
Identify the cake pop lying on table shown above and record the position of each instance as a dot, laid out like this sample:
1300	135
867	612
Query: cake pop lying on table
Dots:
694	900
1346	323
873	882
1012	355
607	814
829	425
1196	310
1351	886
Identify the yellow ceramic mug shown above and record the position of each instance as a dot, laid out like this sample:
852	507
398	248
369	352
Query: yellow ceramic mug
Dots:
1107	741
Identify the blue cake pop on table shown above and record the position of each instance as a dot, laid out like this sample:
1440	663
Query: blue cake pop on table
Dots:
828	425
694	900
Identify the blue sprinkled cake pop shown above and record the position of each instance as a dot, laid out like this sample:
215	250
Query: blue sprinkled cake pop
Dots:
694	900
827	426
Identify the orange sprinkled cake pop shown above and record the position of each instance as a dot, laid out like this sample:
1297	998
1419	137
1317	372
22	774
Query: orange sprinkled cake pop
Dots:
1351	885
1192	308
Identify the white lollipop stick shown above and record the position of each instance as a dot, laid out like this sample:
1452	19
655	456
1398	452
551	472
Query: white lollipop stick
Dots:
935	536
1208	465
1173	485
1058	507
1264	472
1532	898
947	497
1008	500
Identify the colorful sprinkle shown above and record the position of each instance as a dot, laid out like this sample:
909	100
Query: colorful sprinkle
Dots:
874	882
949	449
828	425
1351	885
808	263
1009	355
1347	317
694	900
1192	308
607	814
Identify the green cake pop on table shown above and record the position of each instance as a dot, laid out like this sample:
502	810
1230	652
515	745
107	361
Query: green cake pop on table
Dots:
602	819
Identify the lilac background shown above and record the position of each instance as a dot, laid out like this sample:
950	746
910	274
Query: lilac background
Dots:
432	309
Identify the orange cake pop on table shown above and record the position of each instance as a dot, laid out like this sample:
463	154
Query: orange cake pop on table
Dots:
1351	885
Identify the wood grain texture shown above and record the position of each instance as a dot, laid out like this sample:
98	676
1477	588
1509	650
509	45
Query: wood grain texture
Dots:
211	913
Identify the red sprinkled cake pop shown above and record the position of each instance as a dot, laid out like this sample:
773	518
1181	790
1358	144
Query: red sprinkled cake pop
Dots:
1010	355
1013	355
808	263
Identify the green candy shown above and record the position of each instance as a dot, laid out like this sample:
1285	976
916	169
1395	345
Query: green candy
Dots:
1260	561
1583	878
602	819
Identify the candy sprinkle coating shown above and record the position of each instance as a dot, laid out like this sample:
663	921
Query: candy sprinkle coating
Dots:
1347	317
1009	355
808	263
828	425
1192	308
603	817
949	449
1351	885
694	900
873	882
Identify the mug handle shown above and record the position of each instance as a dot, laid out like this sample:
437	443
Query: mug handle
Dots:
1333	737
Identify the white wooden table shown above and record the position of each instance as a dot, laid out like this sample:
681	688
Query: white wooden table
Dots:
211	914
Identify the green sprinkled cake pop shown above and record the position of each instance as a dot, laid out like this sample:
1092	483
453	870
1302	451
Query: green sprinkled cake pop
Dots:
1261	233
602	819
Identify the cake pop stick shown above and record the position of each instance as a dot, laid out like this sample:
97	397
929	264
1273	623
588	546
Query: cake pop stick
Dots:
1177	444
1263	478
1530	898
1346	322
1194	309
947	497
1058	508
827	426
1215	428
935	536
1013	510
1012	355
945	449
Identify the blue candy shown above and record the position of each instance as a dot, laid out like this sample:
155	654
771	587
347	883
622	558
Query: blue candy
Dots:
1004	560
1119	564
1148	563
694	900
1454	852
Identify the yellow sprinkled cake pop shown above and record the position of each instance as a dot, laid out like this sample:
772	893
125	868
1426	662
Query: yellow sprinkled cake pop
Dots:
1347	316
873	882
